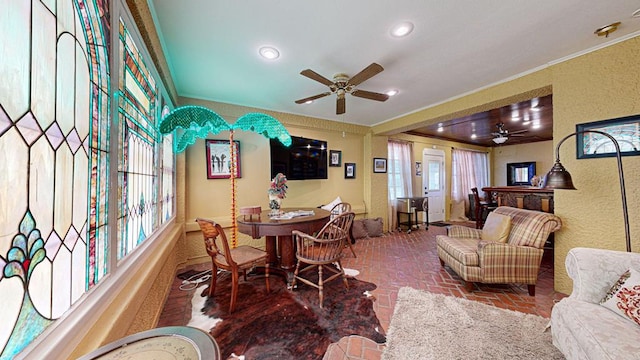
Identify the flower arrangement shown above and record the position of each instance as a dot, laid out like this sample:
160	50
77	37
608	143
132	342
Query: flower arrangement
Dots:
279	186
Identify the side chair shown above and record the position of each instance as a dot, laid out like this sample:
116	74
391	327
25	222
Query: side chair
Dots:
482	208
241	258
341	208
321	252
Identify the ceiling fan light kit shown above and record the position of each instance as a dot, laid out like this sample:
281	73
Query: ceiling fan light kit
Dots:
342	85
500	139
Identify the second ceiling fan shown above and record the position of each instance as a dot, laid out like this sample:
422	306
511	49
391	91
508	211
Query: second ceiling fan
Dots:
342	84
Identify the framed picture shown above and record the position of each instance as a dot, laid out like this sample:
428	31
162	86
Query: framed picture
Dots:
418	168
219	159
625	130
519	174
379	165
349	170
335	158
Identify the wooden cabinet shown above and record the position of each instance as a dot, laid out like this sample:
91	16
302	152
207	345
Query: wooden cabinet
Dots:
522	197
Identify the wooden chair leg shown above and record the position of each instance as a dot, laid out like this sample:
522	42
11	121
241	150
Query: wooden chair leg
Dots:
351	247
234	290
532	290
344	276
469	286
266	276
320	285
214	279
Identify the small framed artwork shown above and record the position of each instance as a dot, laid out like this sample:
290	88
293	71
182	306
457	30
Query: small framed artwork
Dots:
625	130
349	170
418	168
219	159
379	165
335	157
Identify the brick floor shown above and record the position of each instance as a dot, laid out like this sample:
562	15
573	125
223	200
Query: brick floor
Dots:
394	261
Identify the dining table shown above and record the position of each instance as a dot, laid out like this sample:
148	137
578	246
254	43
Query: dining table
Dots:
276	230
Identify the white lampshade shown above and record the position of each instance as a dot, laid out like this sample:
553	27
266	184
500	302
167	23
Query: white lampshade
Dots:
500	139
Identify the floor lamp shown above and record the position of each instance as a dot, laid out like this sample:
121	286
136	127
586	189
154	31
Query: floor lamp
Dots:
559	178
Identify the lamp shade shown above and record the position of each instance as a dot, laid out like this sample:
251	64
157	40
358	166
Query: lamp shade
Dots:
558	178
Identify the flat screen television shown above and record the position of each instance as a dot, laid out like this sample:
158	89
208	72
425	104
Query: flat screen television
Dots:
305	159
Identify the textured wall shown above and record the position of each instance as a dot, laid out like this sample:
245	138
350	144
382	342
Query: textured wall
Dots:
540	152
601	85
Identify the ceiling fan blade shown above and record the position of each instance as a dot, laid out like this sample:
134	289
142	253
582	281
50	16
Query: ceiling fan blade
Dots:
311	98
315	76
365	74
517	131
370	95
340	106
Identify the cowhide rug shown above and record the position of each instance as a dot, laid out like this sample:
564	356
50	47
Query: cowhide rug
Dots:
284	324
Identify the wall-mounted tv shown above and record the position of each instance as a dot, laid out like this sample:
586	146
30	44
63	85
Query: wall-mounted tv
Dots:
305	159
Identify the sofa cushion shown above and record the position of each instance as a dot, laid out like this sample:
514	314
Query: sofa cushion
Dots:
463	250
496	228
373	226
624	296
593	329
358	230
330	205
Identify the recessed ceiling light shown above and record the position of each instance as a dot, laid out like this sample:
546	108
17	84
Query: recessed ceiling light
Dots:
269	52
402	29
392	92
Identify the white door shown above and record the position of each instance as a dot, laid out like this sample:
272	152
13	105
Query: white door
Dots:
433	182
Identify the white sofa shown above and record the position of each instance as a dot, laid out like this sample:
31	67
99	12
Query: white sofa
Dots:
582	328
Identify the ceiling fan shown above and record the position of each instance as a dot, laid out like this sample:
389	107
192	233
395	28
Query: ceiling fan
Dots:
502	134
342	84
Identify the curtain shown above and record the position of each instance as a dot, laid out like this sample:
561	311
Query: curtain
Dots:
399	171
468	169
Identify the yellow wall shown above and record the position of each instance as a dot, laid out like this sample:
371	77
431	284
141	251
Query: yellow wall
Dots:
539	152
601	85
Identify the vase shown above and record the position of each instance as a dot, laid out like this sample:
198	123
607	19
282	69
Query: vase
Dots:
275	202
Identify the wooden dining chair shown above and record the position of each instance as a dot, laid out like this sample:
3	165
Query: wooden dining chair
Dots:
322	252
482	208
237	260
341	208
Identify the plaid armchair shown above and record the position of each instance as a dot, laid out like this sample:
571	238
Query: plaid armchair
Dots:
516	261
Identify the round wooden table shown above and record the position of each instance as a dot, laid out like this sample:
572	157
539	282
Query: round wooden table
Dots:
280	230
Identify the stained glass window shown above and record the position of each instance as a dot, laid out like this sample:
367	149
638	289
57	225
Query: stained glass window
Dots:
138	140
55	132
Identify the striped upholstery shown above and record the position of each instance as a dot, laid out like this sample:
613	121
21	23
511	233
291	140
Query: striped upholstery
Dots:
517	261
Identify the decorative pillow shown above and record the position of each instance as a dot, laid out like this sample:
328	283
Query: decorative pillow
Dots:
373	226
624	296
496	228
330	205
358	230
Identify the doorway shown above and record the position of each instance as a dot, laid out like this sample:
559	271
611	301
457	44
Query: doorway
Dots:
433	182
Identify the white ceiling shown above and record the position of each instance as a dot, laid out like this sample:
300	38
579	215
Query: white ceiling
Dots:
456	47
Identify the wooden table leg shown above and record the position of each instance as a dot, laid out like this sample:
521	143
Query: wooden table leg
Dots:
270	248
287	252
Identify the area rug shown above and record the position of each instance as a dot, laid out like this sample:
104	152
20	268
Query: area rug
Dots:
435	326
285	324
439	223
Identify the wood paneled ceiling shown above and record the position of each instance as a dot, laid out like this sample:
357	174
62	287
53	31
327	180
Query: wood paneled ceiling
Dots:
534	116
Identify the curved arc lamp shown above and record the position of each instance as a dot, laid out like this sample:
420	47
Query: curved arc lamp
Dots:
198	122
559	178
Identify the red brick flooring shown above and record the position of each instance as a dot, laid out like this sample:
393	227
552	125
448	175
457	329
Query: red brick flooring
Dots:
394	261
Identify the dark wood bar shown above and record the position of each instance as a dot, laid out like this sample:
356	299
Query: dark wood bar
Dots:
523	197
